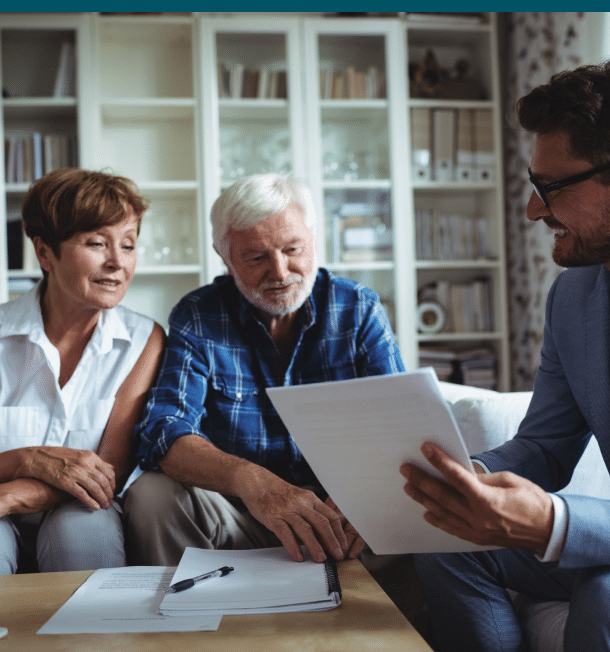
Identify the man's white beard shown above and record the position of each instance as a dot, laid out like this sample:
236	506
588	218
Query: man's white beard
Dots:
282	305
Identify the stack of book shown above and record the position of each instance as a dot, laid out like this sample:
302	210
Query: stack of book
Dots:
352	84
30	156
444	236
475	367
238	82
440	359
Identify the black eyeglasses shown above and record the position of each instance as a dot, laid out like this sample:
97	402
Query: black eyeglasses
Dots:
542	188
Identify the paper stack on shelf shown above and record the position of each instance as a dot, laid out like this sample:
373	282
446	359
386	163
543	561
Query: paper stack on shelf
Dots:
477	368
474	367
440	359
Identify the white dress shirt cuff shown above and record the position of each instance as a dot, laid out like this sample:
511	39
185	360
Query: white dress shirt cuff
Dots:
560	529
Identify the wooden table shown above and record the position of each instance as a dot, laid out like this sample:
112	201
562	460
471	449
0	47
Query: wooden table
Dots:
366	620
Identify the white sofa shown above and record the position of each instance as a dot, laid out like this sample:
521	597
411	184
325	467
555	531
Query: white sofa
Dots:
488	419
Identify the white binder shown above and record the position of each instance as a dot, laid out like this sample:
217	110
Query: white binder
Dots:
443	146
485	161
420	144
465	155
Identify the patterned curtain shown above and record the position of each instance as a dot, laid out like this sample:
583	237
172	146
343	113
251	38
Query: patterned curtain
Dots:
538	45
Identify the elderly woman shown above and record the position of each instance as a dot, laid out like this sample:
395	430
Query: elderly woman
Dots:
75	369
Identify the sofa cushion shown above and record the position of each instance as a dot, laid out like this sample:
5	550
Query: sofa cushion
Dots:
487	419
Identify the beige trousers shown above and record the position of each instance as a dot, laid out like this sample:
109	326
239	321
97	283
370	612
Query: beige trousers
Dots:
163	517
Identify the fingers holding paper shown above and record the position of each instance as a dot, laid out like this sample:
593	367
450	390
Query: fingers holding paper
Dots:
496	509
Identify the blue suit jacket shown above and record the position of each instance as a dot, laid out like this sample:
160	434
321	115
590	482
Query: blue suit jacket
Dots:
571	401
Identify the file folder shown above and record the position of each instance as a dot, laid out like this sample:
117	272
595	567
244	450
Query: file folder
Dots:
443	135
484	152
466	144
421	136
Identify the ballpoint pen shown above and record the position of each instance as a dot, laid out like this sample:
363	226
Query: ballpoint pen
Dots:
186	584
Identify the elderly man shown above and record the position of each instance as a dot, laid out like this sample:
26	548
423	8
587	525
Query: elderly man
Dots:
554	548
233	477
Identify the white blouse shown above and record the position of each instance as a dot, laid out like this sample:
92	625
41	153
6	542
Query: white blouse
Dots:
34	411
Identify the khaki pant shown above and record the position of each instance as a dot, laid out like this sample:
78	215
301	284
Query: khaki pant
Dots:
164	516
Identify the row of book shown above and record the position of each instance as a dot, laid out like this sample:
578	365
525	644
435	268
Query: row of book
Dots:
452	144
475	367
464	307
444	236
238	82
352	84
29	157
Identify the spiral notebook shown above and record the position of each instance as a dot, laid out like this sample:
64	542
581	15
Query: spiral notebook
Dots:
266	580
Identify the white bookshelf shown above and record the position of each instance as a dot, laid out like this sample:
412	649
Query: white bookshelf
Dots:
149	104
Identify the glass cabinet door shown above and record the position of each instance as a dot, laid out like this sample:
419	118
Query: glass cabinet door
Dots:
252	84
353	82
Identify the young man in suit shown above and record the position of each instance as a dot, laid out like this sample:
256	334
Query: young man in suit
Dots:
552	547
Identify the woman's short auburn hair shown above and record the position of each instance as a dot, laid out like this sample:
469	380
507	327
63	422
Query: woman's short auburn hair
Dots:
71	200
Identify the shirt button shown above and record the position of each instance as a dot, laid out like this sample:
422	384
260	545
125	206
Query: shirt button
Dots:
238	394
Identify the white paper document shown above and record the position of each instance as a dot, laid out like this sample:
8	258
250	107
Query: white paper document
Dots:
356	433
120	600
264	580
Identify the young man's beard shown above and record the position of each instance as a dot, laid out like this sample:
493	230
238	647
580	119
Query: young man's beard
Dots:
583	253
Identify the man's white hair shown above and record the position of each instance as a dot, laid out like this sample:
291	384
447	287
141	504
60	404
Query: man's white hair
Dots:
252	200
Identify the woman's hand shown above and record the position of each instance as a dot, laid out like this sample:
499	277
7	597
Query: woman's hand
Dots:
81	473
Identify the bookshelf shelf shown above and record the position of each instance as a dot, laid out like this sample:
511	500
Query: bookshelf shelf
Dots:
458	338
269	110
458	264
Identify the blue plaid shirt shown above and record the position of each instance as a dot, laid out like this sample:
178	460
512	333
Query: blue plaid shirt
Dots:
220	358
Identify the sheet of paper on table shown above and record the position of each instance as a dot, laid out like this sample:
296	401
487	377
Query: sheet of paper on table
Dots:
122	600
356	433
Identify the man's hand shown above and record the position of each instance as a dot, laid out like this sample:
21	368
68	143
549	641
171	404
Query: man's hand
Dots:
355	543
81	473
295	516
495	509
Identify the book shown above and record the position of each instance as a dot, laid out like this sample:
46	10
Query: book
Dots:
264	580
64	80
